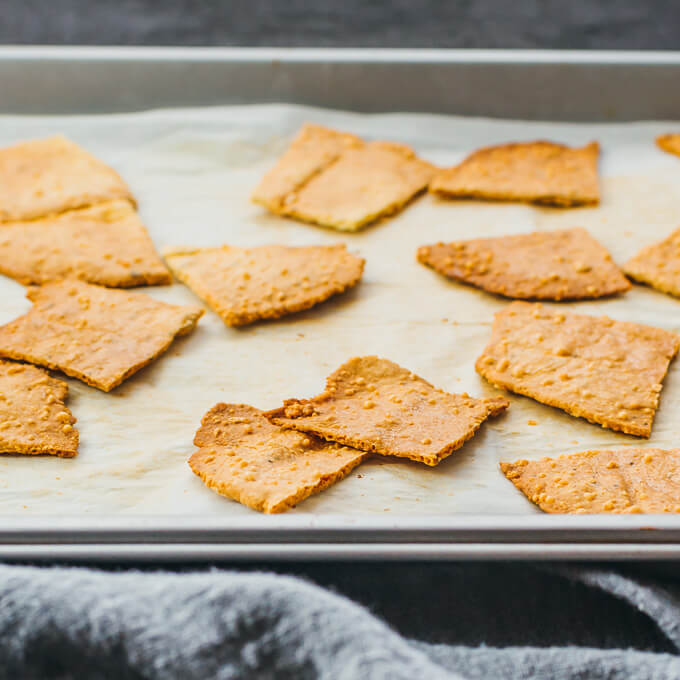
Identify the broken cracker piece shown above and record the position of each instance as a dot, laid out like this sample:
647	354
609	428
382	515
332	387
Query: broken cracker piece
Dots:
608	372
534	172
244	285
46	176
669	143
312	150
658	265
105	244
556	265
33	416
243	456
375	405
623	481
98	335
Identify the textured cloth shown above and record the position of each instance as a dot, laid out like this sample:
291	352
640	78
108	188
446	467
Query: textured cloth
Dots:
77	623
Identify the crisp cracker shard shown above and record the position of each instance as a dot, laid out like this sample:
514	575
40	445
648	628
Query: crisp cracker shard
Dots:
375	405
243	456
46	176
623	481
658	265
105	244
669	143
534	172
609	372
33	416
244	285
98	335
556	265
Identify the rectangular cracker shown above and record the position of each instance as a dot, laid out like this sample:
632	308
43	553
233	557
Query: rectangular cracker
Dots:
608	372
375	405
33	416
98	335
669	143
623	481
534	172
658	265
46	176
105	244
243	456
244	285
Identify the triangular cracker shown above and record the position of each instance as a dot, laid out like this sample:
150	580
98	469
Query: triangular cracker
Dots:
534	172
243	456
375	405
609	372
623	481
658	265
33	417
543	265
244	285
313	149
669	143
98	335
105	244
47	176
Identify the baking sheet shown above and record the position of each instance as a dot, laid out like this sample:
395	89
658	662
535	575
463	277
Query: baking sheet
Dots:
192	171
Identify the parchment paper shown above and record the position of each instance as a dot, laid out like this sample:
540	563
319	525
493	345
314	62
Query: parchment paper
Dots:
192	172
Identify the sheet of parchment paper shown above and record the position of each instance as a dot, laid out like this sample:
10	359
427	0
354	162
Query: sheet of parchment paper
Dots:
193	171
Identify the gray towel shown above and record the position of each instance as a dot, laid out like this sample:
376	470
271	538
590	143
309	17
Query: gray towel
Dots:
80	623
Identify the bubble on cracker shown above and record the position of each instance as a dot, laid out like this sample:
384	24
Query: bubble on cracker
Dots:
658	265
98	335
608	372
375	405
245	457
669	143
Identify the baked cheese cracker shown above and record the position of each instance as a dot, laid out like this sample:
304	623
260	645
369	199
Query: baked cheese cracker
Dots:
669	143
375	405
33	416
534	172
105	244
658	265
363	185
244	285
554	265
609	372
243	456
623	481
46	176
313	149
98	335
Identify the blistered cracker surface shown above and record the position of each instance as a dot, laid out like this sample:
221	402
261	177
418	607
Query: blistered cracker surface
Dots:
33	416
375	405
46	176
623	481
96	334
609	372
658	265
669	143
244	285
567	264
105	244
534	172
245	457
314	148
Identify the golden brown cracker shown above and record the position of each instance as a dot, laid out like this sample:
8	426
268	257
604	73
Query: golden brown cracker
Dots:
105	244
243	456
244	285
658	265
33	416
609	372
533	172
46	176
669	143
623	481
375	405
555	265
313	149
98	335
361	186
